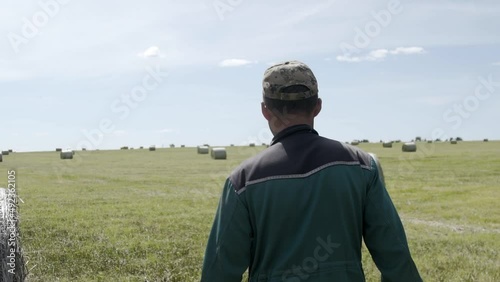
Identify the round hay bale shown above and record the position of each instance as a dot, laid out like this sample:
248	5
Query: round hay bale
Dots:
379	167
355	142
485	140
218	153
10	151
202	149
124	148
252	145
5	153
429	141
58	149
12	266
1	158
152	148
387	144
172	145
454	142
67	155
183	146
409	147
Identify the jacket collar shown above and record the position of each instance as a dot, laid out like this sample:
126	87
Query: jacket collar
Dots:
301	128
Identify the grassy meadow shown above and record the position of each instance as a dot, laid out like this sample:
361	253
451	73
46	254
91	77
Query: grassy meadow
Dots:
137	215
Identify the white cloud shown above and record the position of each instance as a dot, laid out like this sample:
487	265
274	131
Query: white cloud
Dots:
375	55
378	54
408	50
235	63
381	54
349	59
151	52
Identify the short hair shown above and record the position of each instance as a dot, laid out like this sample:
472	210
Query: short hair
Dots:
304	106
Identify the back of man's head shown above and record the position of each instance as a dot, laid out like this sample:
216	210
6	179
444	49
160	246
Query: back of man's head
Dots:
290	88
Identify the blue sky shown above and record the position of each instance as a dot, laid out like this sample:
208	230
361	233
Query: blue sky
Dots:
105	74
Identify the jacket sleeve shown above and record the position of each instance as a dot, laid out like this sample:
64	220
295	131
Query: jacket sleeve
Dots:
228	250
384	234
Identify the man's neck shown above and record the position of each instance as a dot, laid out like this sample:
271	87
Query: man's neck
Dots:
288	124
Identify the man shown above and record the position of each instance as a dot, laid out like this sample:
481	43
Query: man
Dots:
299	210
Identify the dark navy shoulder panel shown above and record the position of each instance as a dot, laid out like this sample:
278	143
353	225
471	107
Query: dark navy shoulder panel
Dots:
297	153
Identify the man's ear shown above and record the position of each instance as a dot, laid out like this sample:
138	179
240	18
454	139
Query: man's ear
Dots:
317	108
268	115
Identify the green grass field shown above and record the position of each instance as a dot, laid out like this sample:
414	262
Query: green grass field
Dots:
136	215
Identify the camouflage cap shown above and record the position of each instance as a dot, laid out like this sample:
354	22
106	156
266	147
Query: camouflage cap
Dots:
290	73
